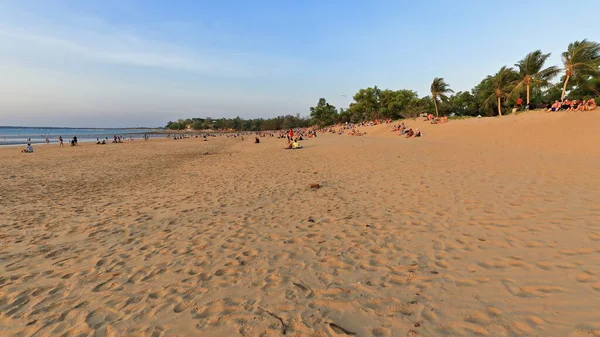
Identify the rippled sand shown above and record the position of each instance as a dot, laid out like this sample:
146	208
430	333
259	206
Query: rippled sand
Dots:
484	227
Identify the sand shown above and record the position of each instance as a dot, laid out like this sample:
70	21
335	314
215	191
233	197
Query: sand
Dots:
483	227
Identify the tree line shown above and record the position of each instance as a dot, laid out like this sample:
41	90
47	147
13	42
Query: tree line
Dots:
529	80
240	124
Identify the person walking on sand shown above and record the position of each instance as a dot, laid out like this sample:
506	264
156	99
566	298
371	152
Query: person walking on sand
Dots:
60	140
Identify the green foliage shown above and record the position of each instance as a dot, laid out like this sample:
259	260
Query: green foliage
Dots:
552	93
584	86
582	80
462	103
324	113
373	103
179	125
532	74
439	89
498	88
581	59
344	116
398	104
198	125
239	124
366	105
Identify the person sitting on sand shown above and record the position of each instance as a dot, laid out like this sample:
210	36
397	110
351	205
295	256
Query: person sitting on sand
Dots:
410	133
555	106
590	104
418	133
256	140
575	105
28	149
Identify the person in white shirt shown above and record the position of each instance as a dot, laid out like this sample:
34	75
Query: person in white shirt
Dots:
28	149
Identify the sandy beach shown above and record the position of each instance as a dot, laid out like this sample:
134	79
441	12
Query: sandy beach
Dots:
482	227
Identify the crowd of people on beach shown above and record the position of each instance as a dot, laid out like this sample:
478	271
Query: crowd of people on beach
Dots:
352	128
564	105
402	130
572	105
436	120
294	136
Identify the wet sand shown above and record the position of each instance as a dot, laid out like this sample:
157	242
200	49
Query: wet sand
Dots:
486	227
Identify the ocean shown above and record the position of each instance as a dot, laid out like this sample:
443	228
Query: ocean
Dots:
37	135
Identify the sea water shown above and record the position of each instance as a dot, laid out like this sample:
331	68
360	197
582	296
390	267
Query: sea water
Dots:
23	135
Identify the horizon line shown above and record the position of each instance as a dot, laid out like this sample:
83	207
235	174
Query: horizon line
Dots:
77	127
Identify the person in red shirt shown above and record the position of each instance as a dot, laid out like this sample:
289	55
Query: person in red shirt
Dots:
519	103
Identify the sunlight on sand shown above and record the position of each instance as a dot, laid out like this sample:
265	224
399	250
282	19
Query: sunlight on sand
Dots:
483	227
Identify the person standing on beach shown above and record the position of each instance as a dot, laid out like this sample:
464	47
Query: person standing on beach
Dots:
60	139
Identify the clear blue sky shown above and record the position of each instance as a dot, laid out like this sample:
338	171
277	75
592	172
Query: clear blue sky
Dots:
144	62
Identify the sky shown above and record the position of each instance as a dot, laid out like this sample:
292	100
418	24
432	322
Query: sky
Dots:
122	63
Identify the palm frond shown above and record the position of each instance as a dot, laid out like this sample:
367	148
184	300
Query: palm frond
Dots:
582	57
518	88
441	89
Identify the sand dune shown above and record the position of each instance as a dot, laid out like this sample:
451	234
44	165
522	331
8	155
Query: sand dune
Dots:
483	227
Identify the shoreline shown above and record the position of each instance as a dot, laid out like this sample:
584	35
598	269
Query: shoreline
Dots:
478	221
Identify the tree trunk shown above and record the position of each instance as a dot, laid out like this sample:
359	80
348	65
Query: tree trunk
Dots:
562	97
527	93
436	108
499	108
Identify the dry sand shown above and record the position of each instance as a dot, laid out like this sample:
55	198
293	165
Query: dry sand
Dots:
485	227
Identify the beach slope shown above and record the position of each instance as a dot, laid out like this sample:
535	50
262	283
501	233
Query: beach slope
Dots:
487	227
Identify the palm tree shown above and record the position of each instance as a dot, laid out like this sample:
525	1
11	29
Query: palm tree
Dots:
441	89
531	72
500	86
581	57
